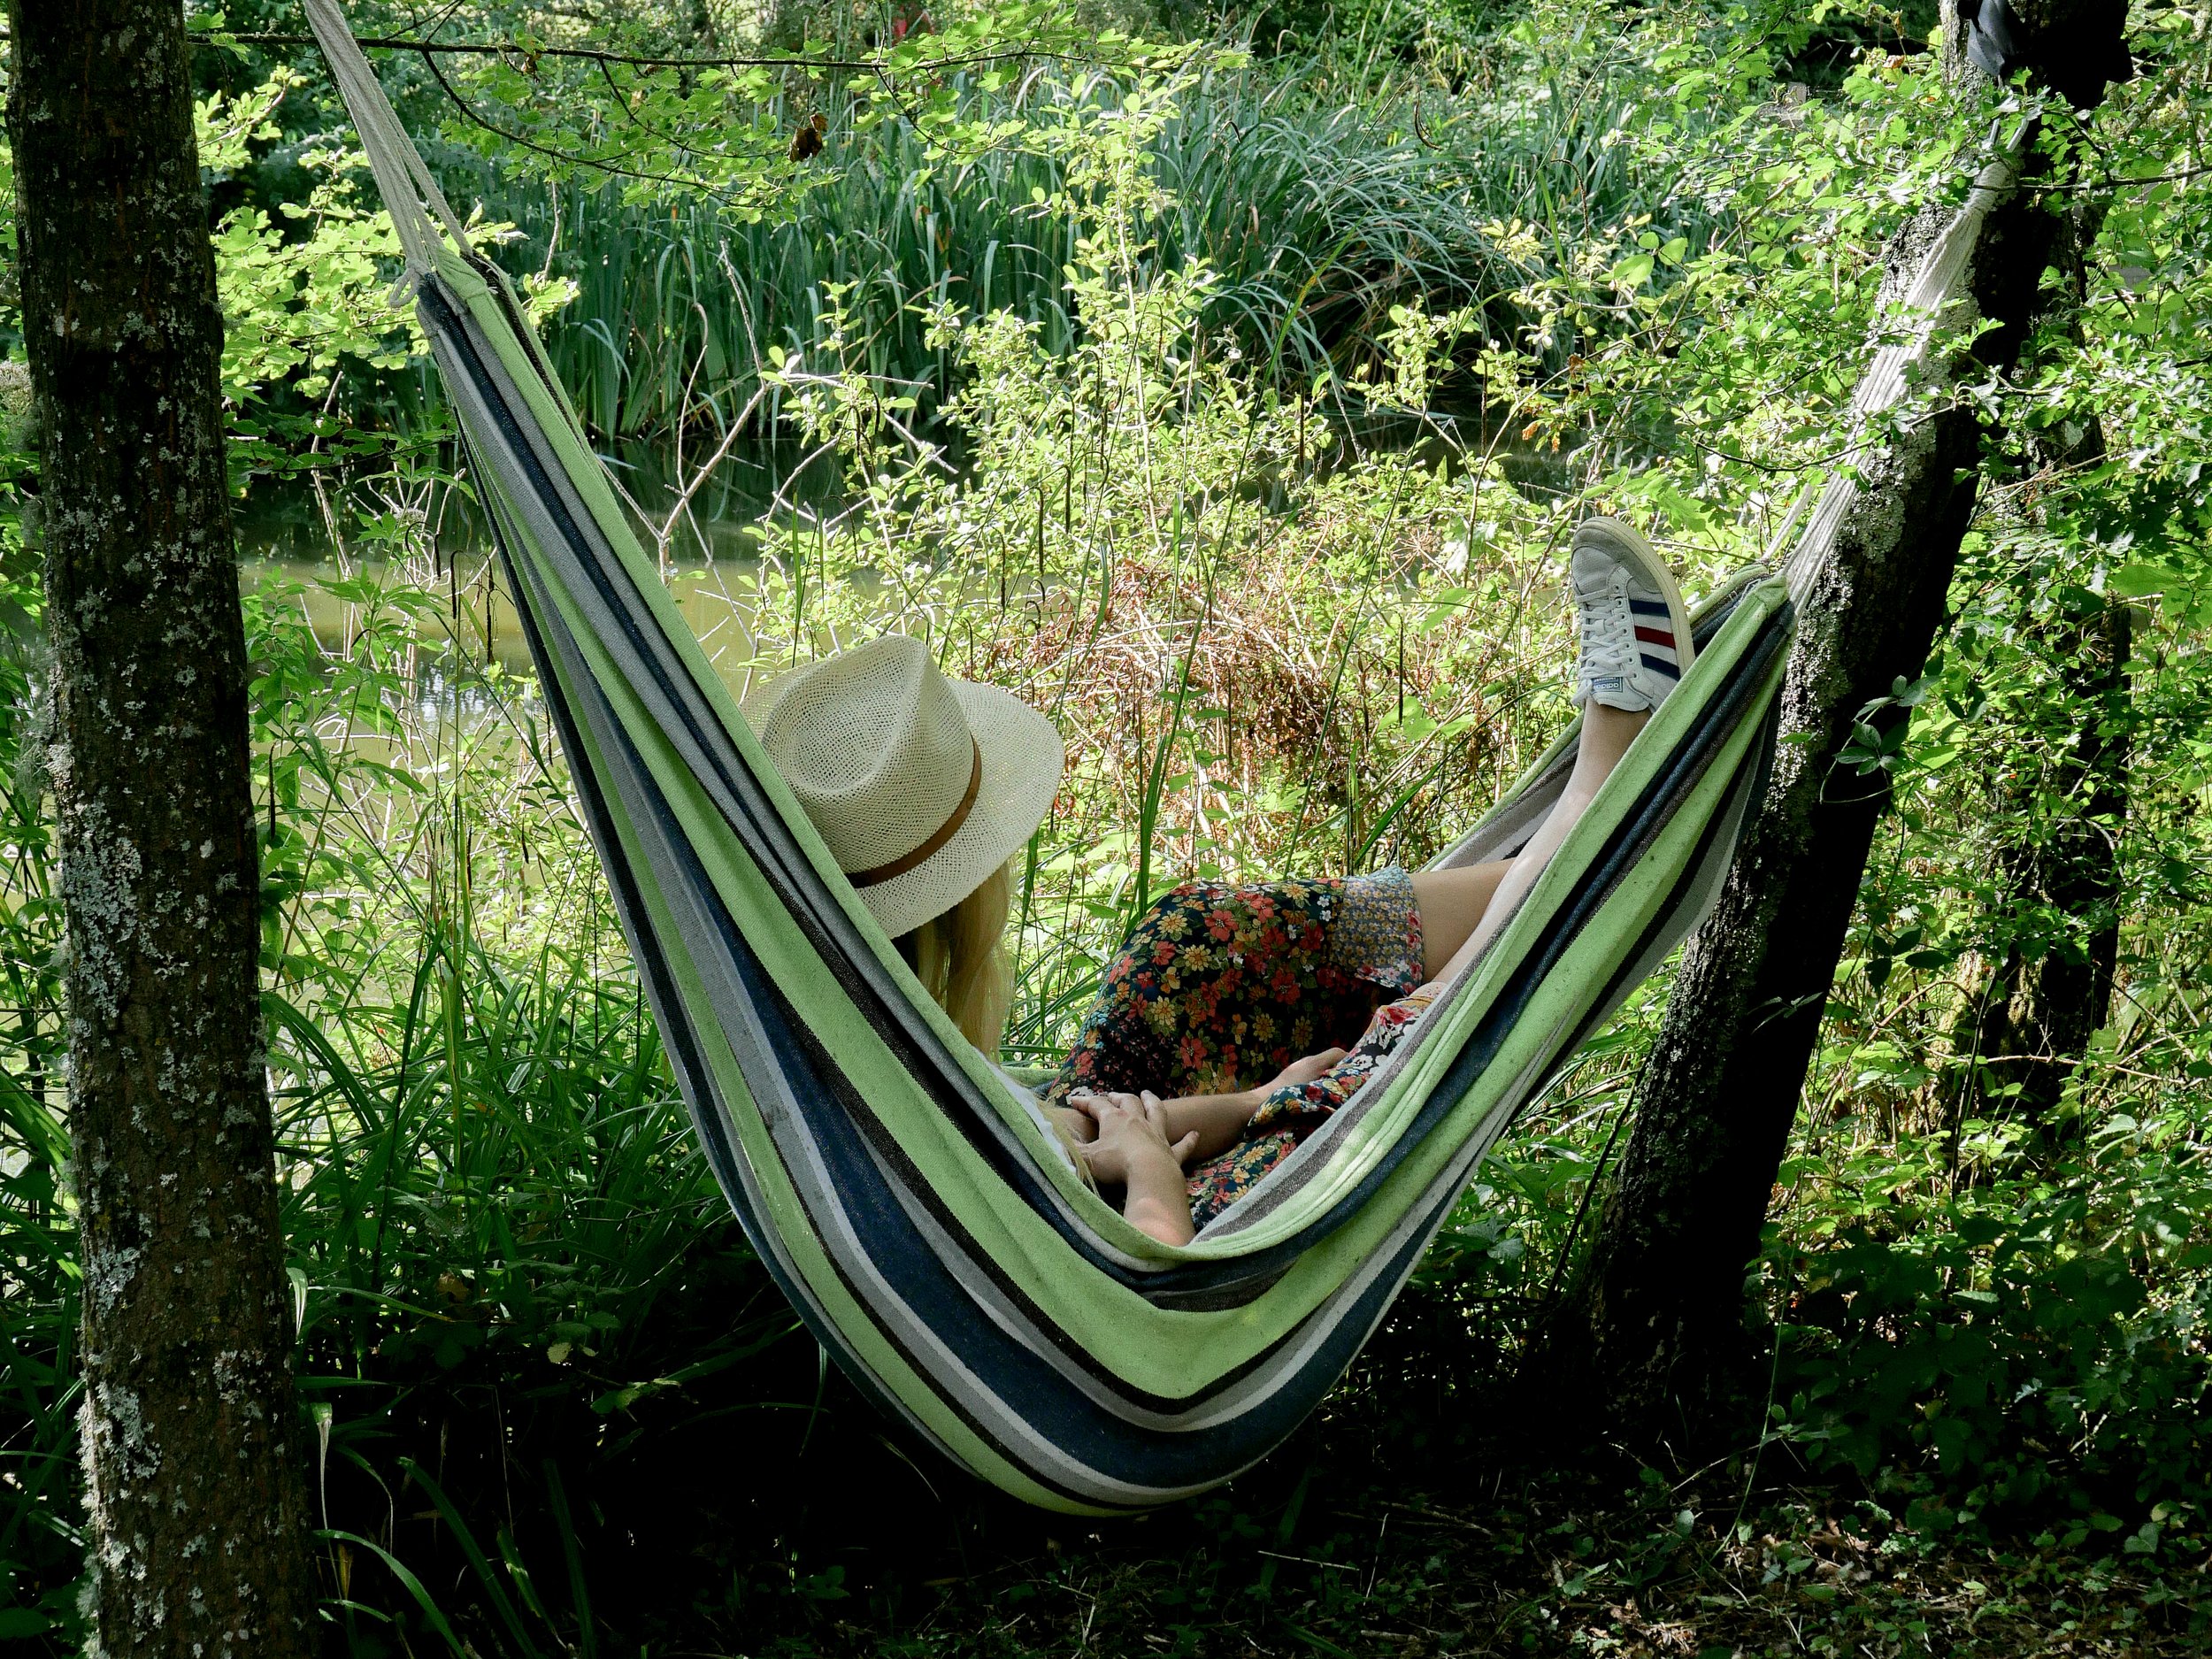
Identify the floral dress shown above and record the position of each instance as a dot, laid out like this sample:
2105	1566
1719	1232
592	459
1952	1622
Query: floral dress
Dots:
1220	986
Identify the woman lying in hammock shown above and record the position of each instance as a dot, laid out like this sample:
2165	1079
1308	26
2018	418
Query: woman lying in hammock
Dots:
1236	1018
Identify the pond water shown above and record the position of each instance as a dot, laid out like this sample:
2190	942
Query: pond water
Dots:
314	534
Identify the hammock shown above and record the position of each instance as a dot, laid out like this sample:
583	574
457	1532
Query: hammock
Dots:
907	1195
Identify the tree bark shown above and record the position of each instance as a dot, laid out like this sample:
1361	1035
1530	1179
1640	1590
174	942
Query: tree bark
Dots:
193	1452
1651	1339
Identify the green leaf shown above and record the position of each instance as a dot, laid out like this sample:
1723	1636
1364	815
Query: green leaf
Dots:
2137	581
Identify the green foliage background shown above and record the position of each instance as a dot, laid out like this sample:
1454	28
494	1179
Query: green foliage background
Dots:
1232	400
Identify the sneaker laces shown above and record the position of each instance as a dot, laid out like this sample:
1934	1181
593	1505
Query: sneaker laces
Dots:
1607	627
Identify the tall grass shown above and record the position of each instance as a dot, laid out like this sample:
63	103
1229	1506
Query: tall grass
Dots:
1322	191
558	1406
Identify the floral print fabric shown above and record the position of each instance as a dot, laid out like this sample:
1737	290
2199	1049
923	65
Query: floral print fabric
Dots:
1290	1114
1220	986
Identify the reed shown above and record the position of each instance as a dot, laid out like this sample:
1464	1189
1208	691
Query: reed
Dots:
526	1316
1321	189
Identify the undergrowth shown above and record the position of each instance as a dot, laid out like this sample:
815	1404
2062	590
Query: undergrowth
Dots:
559	1407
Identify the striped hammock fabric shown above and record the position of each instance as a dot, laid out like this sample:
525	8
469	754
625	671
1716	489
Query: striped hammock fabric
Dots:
908	1196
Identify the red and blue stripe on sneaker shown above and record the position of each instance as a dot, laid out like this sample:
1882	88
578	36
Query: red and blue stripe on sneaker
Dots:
1654	637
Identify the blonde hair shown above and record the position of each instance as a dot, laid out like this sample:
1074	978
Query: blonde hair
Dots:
959	955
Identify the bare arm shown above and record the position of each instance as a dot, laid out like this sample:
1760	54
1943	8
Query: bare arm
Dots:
1214	1120
1156	1203
1217	1120
1132	1150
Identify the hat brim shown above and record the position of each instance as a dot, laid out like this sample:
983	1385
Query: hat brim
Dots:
1022	761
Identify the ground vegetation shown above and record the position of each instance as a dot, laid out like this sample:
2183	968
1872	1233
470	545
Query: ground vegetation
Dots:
1293	598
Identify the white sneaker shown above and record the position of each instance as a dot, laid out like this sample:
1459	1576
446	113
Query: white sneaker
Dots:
1635	628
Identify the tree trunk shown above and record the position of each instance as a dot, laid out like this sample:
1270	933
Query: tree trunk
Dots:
1651	1339
192	1446
2032	1021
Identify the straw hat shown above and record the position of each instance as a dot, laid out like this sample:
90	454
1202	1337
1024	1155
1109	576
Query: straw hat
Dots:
920	786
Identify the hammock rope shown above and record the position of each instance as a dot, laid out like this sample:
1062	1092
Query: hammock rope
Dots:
906	1195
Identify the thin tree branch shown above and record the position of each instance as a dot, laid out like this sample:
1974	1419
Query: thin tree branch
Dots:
514	137
516	48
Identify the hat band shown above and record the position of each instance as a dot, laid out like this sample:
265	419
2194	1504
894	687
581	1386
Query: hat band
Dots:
946	831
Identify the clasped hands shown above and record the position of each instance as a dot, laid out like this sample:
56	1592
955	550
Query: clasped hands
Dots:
1142	1143
1110	1126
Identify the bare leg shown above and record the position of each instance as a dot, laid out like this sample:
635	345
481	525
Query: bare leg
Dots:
1606	736
1451	903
